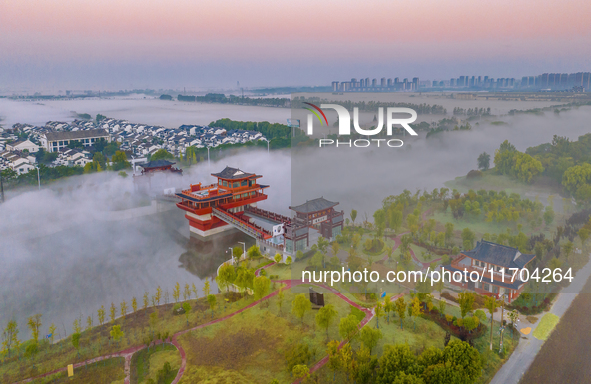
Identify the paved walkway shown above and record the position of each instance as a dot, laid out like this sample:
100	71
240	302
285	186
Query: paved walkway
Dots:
127	354
527	349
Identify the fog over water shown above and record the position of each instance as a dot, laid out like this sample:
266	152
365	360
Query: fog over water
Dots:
72	247
360	178
135	109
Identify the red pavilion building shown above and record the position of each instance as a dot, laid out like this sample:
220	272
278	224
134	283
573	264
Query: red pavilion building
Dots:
210	208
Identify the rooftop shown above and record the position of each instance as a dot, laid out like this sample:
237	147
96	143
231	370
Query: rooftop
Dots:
315	205
156	164
232	173
497	254
74	135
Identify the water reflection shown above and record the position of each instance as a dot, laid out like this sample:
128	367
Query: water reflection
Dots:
204	255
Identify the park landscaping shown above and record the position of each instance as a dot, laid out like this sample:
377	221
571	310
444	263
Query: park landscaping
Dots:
545	326
106	371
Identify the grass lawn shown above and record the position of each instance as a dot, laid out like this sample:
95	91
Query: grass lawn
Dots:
110	371
418	250
281	270
546	325
492	360
250	347
95	341
146	363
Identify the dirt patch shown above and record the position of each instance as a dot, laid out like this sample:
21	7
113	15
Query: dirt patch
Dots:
531	319
564	357
230	351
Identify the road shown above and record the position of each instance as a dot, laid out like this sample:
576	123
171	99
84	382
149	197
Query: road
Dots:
513	370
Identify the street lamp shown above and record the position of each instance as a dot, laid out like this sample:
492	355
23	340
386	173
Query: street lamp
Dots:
38	178
502	328
243	246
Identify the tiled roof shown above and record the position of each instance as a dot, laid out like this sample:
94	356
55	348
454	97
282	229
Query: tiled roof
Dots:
315	205
498	254
232	173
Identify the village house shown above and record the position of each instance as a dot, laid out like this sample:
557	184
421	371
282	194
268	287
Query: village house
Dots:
54	141
493	262
23	145
17	161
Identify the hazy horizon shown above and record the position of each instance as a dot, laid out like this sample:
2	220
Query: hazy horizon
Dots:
112	45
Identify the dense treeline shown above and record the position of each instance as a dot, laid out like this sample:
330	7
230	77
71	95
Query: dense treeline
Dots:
231	99
269	130
564	161
471	111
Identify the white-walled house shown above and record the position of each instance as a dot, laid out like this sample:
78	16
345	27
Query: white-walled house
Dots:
23	145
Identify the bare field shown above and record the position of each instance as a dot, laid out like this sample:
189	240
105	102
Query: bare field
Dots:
564	358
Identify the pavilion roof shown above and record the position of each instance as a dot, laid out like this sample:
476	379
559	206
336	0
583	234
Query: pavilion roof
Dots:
315	205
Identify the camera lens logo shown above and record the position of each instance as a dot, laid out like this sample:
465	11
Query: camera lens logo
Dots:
316	113
345	119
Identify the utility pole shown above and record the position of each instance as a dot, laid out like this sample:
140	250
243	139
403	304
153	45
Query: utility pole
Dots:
38	178
2	186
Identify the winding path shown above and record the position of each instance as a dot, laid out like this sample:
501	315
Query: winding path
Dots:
128	353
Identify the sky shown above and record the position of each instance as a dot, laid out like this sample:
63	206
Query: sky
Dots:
125	44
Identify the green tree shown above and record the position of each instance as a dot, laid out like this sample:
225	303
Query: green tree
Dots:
206	288
334	357
280	298
34	324
226	276
112	312
348	327
466	300
363	367
76	342
491	304
176	292
415	309
101	314
468	238
278	258
548	215
300	305
394	219
261	285
325	316
52	329
567	249
370	337
584	235
119	161
123	309
353	215
211	300
401	309
187	308
116	333
162	154
301	372
484	161
395	361
254	252
10	337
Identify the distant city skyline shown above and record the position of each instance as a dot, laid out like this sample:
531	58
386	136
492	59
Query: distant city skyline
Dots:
578	82
111	45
